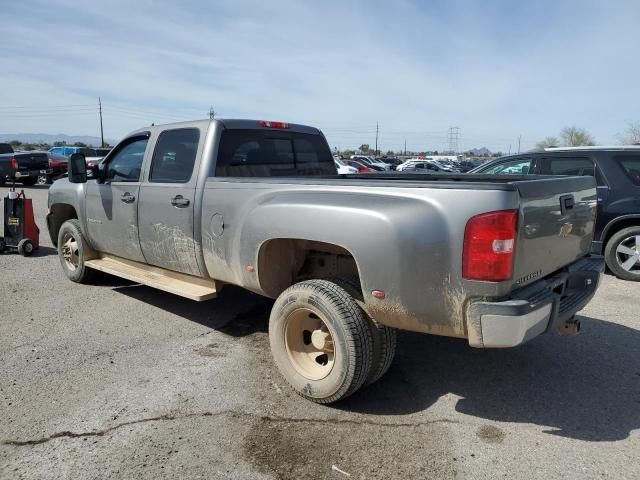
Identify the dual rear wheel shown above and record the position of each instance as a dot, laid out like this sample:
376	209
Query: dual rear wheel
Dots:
324	343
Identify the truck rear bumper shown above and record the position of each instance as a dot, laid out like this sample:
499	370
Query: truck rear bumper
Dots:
548	305
34	173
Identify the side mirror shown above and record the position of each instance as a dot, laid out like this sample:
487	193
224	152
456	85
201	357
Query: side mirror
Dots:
77	168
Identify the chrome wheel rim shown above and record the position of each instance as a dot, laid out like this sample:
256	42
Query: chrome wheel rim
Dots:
70	252
42	180
628	254
309	343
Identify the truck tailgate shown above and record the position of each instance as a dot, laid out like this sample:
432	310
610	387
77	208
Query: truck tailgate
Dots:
556	225
30	162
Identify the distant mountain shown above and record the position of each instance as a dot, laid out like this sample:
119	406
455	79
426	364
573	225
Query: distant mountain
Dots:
50	138
480	151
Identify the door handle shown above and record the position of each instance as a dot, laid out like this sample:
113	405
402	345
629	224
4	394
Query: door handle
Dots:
128	198
180	202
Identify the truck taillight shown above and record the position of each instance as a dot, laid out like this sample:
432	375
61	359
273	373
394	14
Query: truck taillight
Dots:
267	124
14	163
489	245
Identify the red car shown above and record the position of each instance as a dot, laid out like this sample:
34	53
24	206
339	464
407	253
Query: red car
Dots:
361	168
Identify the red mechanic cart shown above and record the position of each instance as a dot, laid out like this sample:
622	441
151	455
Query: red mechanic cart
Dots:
20	230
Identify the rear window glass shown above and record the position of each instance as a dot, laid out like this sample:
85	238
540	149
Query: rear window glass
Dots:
631	165
570	166
270	153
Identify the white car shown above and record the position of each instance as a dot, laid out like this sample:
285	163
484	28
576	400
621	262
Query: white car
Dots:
344	169
413	161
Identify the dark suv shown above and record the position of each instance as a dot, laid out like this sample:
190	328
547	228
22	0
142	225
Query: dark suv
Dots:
617	172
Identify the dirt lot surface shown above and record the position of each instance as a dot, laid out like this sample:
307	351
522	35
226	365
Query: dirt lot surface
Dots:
115	380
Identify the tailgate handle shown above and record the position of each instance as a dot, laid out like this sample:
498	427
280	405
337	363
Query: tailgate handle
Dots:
566	203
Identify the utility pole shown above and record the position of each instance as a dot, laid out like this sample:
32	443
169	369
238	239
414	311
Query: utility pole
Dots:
454	137
101	130
405	146
519	138
509	149
212	113
376	152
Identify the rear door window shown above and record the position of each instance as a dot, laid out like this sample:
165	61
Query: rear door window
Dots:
269	153
174	156
631	165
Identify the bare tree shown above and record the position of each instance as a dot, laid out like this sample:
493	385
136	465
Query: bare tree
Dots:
548	142
631	134
575	137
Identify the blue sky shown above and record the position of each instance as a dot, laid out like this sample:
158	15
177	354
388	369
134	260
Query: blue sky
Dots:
496	69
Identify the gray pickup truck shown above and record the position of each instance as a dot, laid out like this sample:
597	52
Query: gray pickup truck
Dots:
190	207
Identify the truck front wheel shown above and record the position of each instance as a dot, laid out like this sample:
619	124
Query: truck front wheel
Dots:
320	340
72	251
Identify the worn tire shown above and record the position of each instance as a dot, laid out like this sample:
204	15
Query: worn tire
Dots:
25	247
610	253
384	338
82	273
350	334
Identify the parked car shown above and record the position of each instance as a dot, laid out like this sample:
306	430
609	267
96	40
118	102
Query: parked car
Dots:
466	165
58	167
343	168
23	167
421	167
617	173
413	161
391	161
371	163
90	153
360	167
452	256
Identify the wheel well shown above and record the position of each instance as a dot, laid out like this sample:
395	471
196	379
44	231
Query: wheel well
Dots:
616	227
60	213
285	261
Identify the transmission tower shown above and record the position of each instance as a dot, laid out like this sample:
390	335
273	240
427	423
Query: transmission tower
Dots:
454	138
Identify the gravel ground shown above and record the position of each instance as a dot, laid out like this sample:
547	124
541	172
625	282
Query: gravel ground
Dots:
115	380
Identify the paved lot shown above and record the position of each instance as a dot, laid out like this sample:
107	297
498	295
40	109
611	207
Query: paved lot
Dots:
115	380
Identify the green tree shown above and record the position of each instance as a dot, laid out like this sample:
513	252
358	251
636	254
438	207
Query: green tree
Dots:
631	134
59	144
575	137
15	143
365	148
80	144
548	142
